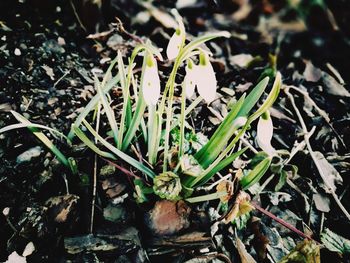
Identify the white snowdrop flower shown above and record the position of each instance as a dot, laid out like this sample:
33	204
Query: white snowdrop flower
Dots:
15	258
174	45
150	83
264	134
205	79
29	249
189	83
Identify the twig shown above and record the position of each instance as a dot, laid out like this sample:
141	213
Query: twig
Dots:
282	222
11	225
77	16
61	78
314	157
121	29
321	112
93	201
312	102
125	171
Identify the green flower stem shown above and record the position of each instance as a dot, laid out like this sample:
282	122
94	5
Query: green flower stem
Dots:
183	54
125	88
169	112
152	126
135	122
182	122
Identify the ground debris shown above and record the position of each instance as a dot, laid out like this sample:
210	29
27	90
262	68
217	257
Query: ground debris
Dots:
62	208
119	244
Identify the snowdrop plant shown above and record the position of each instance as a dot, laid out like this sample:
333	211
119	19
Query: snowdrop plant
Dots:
147	116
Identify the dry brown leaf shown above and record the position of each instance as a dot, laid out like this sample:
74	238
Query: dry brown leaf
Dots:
311	73
332	175
244	255
333	87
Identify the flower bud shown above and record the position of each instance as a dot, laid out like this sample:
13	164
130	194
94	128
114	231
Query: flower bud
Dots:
264	133
150	83
174	45
189	83
206	80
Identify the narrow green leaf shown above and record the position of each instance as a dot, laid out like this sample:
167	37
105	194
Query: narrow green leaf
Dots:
92	104
125	87
269	100
219	139
253	97
54	132
119	153
108	110
42	137
81	135
255	174
227	161
137	118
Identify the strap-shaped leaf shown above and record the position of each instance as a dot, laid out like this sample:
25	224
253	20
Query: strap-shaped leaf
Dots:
108	110
119	153
92	104
255	175
43	138
253	97
219	139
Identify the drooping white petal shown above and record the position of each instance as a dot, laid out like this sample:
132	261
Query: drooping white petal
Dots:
15	258
264	134
206	81
150	85
29	249
189	83
174	45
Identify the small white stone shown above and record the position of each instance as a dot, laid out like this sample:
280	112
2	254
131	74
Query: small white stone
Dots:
6	211
61	41
17	52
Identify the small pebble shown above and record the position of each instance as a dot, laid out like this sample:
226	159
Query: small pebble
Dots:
28	155
17	52
168	217
6	211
